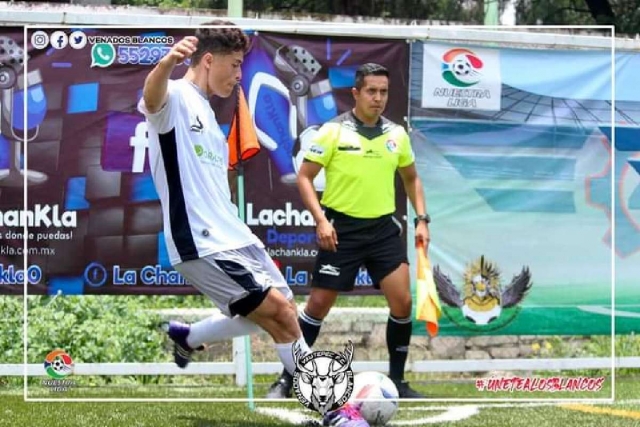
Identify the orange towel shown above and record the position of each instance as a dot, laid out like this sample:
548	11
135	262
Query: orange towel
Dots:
242	135
427	301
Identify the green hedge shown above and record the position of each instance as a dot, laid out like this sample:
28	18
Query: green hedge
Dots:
11	350
89	328
94	329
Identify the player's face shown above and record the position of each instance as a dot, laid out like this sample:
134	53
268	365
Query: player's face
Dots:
224	73
371	98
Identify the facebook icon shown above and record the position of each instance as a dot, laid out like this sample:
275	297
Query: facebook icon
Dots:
59	40
125	146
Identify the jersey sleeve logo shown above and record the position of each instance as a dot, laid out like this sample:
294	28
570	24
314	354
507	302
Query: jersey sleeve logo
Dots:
316	150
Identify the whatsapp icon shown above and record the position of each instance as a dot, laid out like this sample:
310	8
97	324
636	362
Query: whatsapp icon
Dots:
102	55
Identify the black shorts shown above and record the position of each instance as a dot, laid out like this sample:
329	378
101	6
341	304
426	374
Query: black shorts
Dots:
375	243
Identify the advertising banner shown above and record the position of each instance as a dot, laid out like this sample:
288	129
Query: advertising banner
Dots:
95	224
521	196
12	56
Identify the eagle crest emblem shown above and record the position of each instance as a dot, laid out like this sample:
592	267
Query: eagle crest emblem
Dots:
483	298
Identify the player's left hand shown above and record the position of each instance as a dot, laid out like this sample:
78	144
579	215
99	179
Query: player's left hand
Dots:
422	235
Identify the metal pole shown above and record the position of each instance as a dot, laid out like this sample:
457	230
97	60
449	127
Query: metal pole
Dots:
491	12
242	345
235	8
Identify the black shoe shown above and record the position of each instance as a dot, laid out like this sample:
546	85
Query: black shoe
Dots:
406	392
281	389
178	333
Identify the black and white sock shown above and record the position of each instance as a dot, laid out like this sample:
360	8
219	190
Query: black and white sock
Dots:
310	327
398	339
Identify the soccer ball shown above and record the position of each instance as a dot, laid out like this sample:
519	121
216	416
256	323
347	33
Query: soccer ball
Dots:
377	397
461	66
58	365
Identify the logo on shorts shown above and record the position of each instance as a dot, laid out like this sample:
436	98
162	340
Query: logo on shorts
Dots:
323	380
329	270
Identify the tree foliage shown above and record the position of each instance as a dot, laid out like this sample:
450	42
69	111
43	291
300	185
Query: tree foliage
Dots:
626	14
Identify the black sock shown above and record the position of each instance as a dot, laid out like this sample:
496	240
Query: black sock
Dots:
310	329
398	338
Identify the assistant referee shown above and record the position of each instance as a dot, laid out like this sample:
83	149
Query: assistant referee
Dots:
361	151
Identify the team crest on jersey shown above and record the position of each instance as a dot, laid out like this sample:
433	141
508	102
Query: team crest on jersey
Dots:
391	146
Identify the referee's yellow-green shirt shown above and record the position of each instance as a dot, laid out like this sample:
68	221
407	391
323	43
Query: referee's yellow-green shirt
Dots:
360	164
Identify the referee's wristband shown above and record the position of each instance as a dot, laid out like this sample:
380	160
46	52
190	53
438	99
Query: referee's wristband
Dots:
426	218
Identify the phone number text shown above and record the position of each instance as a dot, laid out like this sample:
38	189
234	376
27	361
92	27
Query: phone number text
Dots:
142	55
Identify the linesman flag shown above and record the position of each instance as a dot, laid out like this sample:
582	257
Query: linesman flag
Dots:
243	139
428	303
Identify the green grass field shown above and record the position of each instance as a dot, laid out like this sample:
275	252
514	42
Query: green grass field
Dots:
135	345
14	411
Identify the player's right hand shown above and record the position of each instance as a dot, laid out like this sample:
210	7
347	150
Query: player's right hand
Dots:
327	236
181	50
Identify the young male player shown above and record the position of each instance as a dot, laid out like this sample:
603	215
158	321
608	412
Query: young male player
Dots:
207	242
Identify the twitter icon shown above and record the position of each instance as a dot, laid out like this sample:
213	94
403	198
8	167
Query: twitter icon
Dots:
78	40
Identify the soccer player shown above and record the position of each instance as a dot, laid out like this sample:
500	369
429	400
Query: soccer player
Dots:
207	242
361	151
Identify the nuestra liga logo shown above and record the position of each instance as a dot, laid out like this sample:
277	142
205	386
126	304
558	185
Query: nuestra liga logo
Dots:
461	67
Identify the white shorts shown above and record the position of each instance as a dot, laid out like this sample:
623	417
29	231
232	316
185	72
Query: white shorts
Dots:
237	280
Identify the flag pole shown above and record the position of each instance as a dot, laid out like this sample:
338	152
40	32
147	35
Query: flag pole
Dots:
241	212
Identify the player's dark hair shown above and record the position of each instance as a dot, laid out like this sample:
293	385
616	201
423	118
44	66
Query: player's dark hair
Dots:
225	39
369	69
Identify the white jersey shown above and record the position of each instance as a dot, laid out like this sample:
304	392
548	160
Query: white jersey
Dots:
189	158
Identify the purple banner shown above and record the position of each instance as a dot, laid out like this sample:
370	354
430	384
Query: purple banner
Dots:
95	224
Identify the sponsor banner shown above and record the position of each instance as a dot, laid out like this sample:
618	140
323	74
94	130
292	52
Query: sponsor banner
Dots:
93	216
12	219
521	198
461	78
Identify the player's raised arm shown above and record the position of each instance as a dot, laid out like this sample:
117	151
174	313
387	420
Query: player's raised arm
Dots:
155	85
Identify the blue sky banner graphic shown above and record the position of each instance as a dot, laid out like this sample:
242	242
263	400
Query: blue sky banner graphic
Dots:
525	191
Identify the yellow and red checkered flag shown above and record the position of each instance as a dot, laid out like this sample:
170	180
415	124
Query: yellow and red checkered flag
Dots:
427	301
